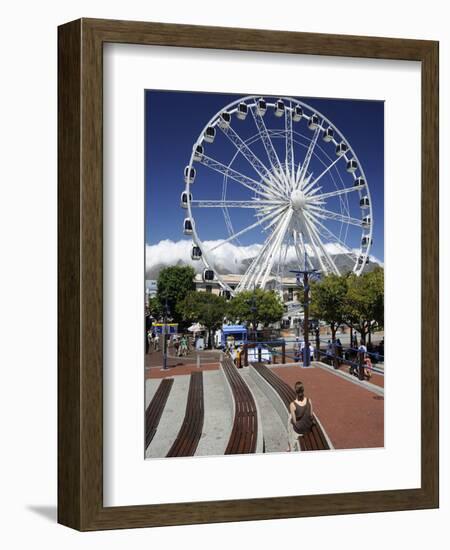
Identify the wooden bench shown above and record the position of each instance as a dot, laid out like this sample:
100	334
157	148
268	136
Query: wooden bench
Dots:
155	409
244	434
190	432
315	440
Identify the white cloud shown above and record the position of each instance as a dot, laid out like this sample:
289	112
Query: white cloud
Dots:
228	258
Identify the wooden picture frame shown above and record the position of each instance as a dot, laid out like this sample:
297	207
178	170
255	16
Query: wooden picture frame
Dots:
80	272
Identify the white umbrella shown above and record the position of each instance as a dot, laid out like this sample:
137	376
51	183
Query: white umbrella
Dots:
196	327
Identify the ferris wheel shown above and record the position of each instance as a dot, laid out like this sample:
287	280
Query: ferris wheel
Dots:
282	186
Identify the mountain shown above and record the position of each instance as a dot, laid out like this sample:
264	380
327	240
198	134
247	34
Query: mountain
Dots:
229	263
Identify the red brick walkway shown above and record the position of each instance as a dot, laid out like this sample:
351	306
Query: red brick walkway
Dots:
156	372
377	379
209	360
352	416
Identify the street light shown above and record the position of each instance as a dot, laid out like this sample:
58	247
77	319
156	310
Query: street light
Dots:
303	278
164	331
254	309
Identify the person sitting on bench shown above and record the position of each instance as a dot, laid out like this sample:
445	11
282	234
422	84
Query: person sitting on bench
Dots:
300	418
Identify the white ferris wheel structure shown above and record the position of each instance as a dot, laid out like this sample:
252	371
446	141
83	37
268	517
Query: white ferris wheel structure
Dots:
278	172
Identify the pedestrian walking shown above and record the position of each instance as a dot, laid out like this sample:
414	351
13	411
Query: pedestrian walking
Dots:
183	346
297	349
362	354
176	346
147	343
338	349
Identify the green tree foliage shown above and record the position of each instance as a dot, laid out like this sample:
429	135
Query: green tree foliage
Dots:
328	301
253	307
365	302
154	308
174	283
356	301
205	308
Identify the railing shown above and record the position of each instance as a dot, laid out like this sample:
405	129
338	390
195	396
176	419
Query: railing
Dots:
287	351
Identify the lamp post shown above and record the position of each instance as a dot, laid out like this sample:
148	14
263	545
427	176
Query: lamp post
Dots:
303	278
254	309
164	335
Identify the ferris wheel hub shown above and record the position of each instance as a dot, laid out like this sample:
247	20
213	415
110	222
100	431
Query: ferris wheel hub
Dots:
298	199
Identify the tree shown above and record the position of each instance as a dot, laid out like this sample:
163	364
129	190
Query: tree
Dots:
174	283
365	302
328	301
376	289
255	307
205	308
154	308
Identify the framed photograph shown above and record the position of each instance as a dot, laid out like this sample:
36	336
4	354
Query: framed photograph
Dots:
240	219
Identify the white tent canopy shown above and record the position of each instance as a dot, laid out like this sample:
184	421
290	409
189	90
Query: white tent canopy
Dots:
196	327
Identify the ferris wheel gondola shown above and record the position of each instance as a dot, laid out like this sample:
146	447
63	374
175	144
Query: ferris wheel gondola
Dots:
187	226
242	111
297	113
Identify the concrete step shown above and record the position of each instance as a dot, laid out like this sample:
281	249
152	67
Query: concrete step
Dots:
218	415
274	433
151	385
171	419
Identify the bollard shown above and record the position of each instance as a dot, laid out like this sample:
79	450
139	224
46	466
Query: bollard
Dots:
198	361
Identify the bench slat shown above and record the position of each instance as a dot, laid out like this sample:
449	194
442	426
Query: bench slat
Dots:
244	433
190	432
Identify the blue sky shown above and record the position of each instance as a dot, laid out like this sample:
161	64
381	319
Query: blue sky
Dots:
173	123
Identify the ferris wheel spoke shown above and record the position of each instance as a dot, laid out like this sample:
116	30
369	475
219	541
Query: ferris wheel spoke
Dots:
245	230
271	254
327	233
268	145
315	246
308	156
283	254
308	259
278	214
233	174
249	278
256	204
300	247
310	194
329	215
297	248
249	155
327	169
246	281
321	245
289	141
336	193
